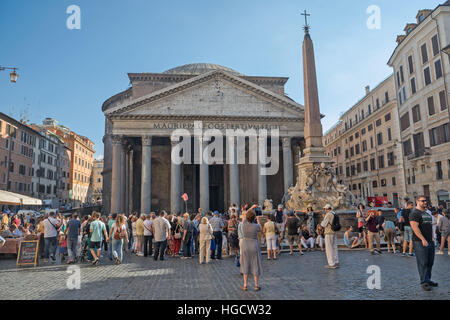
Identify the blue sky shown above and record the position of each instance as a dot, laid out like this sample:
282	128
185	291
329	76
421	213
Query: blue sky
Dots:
68	74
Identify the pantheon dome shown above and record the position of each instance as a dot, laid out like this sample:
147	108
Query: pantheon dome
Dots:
200	68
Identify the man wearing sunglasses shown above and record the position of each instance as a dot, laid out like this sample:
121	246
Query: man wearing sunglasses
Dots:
421	224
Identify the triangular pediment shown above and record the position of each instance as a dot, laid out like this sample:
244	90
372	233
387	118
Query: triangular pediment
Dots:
217	94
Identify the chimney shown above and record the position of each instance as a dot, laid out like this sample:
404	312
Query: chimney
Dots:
367	90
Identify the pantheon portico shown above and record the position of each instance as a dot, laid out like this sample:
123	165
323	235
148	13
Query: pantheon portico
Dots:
138	172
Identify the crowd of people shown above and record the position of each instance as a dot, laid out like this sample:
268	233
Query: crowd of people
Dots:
240	232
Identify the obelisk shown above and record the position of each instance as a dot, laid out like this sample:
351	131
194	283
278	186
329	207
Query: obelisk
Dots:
314	152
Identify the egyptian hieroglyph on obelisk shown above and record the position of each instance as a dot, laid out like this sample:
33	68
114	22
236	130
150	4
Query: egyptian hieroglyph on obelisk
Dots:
316	182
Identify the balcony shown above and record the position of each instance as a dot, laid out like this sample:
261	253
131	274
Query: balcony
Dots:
419	153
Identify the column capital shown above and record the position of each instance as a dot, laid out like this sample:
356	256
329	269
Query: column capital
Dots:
147	141
116	139
286	142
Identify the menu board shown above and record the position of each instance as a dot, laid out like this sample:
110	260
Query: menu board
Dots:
28	253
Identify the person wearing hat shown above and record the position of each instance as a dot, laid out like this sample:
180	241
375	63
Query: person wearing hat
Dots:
331	249
217	225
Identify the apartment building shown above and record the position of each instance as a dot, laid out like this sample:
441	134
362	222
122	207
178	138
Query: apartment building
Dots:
17	143
365	146
97	181
82	161
422	74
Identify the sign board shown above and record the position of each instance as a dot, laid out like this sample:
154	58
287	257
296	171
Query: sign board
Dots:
185	197
28	253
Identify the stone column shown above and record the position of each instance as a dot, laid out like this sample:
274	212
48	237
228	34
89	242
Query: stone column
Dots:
130	180
146	178
123	173
204	178
262	182
116	173
287	164
234	173
175	184
127	180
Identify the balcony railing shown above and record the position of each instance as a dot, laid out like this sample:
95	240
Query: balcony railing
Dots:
419	153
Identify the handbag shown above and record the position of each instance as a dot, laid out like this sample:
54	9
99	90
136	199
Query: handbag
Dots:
177	235
213	245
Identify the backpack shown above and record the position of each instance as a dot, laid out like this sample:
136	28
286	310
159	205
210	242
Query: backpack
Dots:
118	235
336	226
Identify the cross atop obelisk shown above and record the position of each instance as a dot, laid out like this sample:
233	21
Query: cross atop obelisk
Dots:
306	27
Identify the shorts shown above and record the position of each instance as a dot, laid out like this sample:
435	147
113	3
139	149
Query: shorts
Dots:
445	234
95	245
408	234
361	229
292	239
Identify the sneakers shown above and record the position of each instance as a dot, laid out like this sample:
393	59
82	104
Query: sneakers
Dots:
302	253
379	251
52	257
331	267
410	254
426	287
403	254
440	252
433	284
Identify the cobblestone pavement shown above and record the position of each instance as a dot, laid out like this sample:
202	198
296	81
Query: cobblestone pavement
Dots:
290	277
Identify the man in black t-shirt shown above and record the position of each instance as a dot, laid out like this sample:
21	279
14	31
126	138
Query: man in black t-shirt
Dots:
422	225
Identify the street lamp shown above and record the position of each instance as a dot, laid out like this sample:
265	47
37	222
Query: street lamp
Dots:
446	50
13	75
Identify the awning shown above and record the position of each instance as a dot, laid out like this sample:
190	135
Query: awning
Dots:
15	199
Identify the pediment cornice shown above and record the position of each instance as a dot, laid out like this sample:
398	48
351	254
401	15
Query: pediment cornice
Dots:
195	81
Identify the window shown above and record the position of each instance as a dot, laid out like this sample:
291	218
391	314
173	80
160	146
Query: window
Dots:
386	97
383	182
364	146
363	131
356	135
421	18
401	76
416	113
407	149
371	142
370	109
413	86
358	167
381	161
370	127
378	123
423	168
357	150
393	181
346	153
443	100
379	138
390	157
22	170
347	171
424	53
438	68
372	164
435	44
404	121
374	184
366	165
352	152
351	138
439	135
387	117
439	173
389	134
411	65
426	73
398	79
378	100
431	110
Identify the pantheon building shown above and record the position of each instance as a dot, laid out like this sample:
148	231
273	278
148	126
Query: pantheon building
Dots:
138	172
